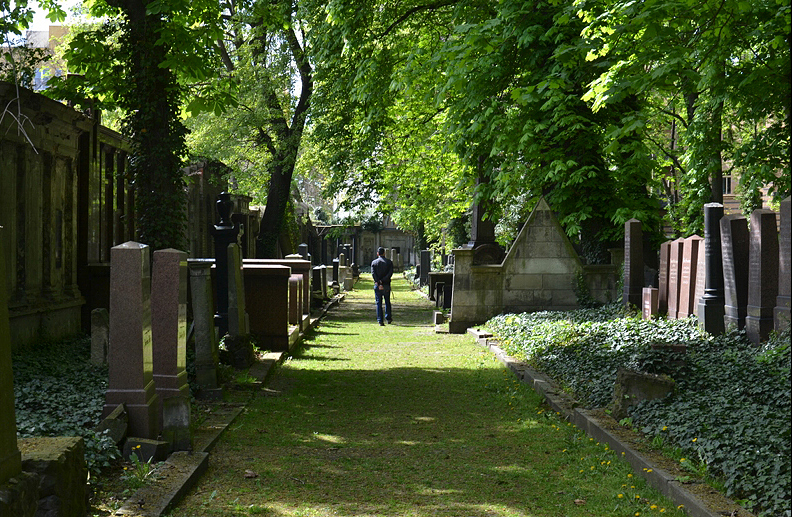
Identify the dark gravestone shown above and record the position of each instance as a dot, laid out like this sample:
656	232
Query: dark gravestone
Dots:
225	232
674	276
130	375
426	257
10	457
336	266
633	263
781	314
169	325
324	282
448	289
295	299
762	275
687	277
302	250
206	354
710	310
100	336
662	295
438	295
734	251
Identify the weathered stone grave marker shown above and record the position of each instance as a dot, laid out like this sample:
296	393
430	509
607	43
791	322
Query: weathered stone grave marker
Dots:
633	263
782	308
734	252
665	256
206	354
131	379
711	304
10	457
762	275
100	336
689	270
426	266
674	277
169	344
650	302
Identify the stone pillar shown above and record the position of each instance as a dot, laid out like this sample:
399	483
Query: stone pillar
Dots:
687	288
781	313
294	300
665	256
341	261
302	250
323	271
206	354
169	345
633	263
734	253
426	260
710	311
131	378
650	302
674	276
762	275
10	457
225	232
336	265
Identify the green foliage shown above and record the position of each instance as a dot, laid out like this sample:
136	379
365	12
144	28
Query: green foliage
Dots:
60	393
729	416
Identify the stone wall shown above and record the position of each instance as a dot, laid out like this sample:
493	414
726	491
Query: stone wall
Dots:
538	273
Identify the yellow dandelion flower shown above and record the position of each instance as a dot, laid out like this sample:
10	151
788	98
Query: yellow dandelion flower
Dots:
662	510
629	475
694	440
680	506
648	470
665	428
653	507
620	496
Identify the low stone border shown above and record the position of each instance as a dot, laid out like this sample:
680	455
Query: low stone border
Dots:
585	420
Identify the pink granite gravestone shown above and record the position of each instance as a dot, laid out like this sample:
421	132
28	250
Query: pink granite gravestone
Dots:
762	275
169	322
734	251
665	255
131	376
782	308
700	281
10	457
687	277
650	299
169	345
674	277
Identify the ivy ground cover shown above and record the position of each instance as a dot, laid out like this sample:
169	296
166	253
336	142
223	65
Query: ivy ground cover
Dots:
729	416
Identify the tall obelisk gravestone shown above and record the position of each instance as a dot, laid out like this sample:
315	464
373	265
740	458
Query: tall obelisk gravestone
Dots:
710	310
10	457
633	263
130	361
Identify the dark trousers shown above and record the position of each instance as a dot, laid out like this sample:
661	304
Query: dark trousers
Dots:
380	295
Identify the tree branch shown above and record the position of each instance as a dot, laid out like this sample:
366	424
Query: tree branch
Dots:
410	12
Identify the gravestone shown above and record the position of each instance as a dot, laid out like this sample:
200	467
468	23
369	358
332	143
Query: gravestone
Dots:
302	250
687	282
169	344
237	317
781	313
206	354
238	344
762	275
341	264
711	304
324	282
439	290
10	457
295	288
348	254
633	263
130	361
336	265
448	290
734	253
426	257
100	336
700	280
674	276
650	302
225	232
662	295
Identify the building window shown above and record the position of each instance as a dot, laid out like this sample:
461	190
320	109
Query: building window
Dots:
727	185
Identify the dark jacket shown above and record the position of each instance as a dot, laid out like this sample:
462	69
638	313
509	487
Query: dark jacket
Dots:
382	270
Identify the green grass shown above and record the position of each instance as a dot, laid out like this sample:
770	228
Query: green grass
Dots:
400	421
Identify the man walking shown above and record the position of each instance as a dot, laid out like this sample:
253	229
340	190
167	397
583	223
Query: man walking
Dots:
382	271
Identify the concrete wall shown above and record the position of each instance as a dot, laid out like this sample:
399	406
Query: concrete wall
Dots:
538	273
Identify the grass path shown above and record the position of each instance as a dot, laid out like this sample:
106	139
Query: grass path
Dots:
400	421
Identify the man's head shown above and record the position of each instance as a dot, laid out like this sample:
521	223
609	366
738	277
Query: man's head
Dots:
381	251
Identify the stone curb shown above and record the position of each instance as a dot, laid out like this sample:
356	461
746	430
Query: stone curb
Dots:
183	469
583	419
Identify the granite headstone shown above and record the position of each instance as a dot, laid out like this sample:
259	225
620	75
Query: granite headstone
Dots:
762	275
734	251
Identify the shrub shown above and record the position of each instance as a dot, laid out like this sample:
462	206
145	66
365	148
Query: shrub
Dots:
731	409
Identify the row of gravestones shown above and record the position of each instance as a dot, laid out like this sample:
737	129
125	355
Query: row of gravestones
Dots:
730	277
